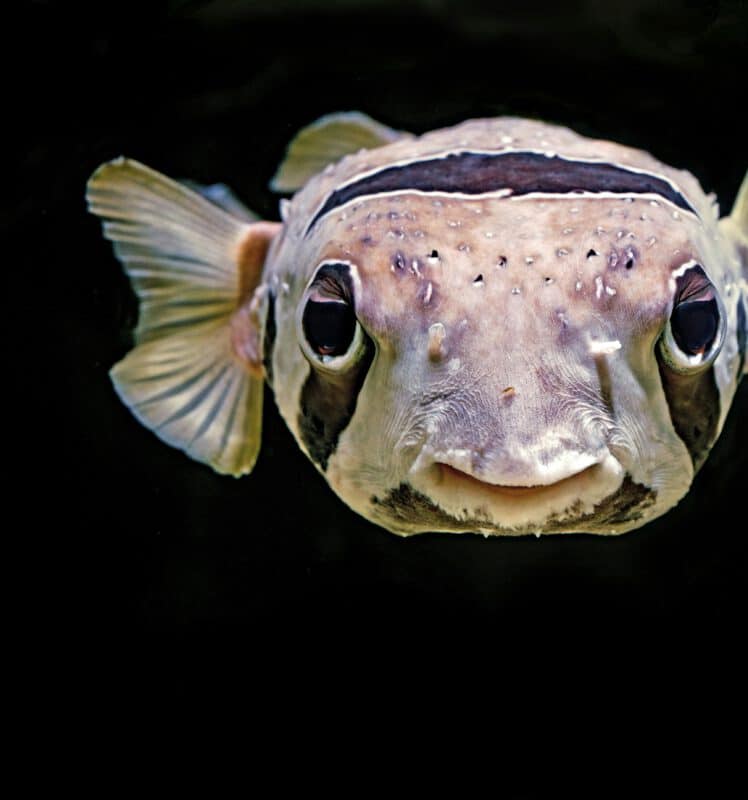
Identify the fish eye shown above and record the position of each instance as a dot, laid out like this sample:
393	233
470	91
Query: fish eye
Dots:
695	331
330	335
694	324
329	326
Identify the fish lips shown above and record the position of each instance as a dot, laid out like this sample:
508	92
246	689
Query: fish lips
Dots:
569	489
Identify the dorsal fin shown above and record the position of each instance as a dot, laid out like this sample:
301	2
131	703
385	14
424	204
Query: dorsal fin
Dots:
326	141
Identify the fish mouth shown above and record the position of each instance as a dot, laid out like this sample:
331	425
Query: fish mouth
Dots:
454	479
568	492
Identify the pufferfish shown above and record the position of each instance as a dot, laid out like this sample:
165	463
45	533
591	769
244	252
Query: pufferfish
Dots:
501	327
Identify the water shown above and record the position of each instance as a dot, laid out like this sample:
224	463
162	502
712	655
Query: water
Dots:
164	546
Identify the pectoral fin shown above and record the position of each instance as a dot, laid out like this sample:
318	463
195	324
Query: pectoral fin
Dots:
326	141
196	270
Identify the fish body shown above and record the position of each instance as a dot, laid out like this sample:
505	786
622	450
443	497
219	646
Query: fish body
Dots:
501	327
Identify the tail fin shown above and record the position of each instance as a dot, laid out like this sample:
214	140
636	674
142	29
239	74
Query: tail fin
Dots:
195	269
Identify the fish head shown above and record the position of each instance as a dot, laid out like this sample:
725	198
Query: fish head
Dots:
503	365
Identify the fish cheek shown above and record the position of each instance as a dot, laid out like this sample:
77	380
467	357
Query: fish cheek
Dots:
694	404
328	403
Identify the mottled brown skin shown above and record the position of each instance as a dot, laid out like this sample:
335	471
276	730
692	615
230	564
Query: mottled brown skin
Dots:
391	239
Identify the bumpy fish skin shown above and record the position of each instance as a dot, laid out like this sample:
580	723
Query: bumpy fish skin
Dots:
517	392
512	366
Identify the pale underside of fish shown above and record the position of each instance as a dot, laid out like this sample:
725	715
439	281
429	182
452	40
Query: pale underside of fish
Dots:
501	327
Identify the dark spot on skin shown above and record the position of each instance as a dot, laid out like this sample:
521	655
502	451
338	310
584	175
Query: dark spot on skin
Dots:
742	333
631	256
399	261
328	403
603	377
743	253
689	398
368	241
411	511
592	253
405	505
434	254
269	340
625	505
478	278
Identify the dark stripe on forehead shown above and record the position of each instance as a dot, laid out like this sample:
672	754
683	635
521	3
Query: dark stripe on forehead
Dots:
520	173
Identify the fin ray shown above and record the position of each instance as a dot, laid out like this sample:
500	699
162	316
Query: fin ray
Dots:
183	379
180	397
326	141
222	196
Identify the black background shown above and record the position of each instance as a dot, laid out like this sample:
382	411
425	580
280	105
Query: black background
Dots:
162	556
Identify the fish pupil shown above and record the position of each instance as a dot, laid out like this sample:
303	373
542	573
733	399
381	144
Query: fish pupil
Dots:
329	326
694	324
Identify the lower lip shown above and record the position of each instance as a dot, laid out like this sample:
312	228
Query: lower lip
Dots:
457	480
